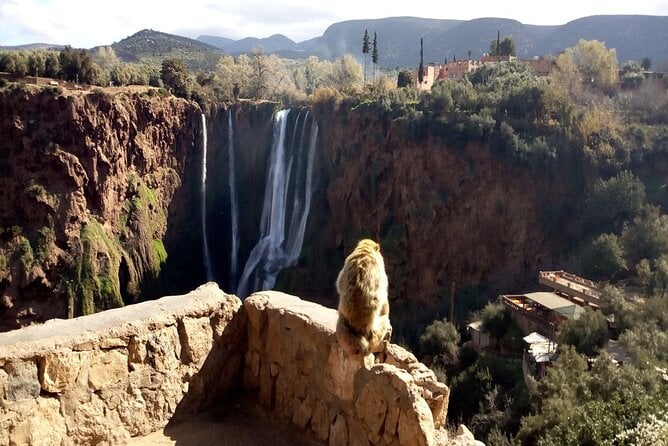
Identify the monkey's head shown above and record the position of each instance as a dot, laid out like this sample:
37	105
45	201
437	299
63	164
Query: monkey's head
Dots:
367	245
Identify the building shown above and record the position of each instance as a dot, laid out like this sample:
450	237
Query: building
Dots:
541	311
480	340
458	69
577	289
538	355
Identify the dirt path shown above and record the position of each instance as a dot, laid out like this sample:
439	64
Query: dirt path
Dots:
235	424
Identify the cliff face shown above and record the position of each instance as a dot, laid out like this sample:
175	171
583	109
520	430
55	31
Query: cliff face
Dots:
442	213
100	201
92	186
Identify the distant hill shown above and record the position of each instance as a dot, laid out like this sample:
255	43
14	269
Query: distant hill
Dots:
33	46
275	43
218	42
398	38
153	46
633	36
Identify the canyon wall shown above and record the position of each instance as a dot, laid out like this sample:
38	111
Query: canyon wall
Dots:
442	212
93	186
101	204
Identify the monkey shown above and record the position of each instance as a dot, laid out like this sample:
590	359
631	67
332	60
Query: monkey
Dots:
363	325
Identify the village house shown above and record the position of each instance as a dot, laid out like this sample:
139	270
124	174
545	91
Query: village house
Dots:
458	69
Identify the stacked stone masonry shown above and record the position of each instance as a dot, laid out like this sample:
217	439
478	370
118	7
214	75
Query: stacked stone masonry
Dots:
104	378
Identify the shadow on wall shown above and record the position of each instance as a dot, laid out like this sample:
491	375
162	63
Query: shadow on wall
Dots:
219	376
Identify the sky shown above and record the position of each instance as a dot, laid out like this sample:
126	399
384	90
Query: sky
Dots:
87	23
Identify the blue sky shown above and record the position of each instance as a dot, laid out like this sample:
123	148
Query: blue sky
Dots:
86	23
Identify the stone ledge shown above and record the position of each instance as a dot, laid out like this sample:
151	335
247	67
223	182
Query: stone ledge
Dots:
103	328
299	371
121	373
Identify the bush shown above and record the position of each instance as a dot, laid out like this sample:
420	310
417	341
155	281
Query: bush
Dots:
495	319
603	258
613	202
587	334
441	341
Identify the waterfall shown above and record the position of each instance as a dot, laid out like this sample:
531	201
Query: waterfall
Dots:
207	257
234	210
287	201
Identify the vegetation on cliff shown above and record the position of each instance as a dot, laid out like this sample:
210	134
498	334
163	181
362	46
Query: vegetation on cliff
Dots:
85	198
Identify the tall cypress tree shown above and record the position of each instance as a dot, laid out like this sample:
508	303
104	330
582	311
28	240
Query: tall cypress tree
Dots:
365	50
421	68
374	55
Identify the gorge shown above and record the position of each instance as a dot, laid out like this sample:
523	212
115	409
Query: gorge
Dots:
105	201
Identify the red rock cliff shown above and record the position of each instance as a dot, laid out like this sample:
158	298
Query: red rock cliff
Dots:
442	213
88	181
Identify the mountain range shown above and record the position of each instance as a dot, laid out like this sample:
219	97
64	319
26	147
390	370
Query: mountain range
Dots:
633	36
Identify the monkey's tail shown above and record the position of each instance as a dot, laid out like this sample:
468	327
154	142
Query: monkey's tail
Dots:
350	340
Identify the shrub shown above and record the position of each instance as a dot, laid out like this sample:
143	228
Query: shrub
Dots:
587	334
603	258
441	341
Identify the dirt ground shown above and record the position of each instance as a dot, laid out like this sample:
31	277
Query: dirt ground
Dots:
238	423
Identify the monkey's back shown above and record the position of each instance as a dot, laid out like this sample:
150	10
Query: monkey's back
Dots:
362	286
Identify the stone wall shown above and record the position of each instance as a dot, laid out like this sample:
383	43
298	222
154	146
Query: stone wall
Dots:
103	378
299	371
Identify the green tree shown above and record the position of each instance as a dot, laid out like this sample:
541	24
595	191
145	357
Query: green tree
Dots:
596	64
405	79
105	57
654	281
575	406
345	74
365	50
15	62
603	258
78	66
646	63
495	319
374	55
421	67
51	64
261	72
647	237
174	75
440	340
613	202
505	48
587	334
36	63
314	73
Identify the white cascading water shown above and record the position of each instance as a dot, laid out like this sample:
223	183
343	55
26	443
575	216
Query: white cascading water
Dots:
281	240
205	243
234	210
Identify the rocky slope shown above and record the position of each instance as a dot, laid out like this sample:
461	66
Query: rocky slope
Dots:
92	186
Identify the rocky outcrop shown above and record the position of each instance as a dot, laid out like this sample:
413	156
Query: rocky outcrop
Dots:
299	371
92	186
104	378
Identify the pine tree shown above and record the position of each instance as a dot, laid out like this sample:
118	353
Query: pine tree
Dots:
365	50
421	68
374	55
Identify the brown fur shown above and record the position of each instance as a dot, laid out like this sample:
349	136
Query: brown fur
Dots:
364	311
